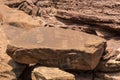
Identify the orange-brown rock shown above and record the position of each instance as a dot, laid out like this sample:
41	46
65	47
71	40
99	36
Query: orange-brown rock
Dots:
5	68
17	18
9	69
62	48
51	73
103	22
111	60
108	76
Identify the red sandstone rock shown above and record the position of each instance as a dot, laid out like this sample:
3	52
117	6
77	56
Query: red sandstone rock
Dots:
50	73
62	48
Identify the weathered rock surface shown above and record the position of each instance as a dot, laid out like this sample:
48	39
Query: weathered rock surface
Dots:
50	73
9	69
111	61
108	76
104	33
17	18
72	52
93	13
62	48
5	73
99	21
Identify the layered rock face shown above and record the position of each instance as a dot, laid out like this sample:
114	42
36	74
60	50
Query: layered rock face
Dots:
96	14
59	39
9	69
111	60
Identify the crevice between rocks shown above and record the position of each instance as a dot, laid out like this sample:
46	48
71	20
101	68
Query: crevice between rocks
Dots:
26	74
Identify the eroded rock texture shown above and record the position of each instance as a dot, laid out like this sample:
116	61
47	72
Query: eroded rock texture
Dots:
62	48
9	69
66	48
111	61
5	68
108	76
96	14
16	18
46	73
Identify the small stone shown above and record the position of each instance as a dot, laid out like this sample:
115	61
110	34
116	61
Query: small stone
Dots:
49	73
104	33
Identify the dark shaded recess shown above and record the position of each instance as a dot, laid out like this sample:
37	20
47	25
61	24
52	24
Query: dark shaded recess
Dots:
69	24
14	5
27	73
81	73
91	24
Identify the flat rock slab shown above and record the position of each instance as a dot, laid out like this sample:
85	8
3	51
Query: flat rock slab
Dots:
50	73
56	47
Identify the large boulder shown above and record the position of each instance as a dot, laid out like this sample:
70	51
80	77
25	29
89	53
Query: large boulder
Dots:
61	48
50	73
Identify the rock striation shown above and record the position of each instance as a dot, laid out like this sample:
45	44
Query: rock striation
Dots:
81	37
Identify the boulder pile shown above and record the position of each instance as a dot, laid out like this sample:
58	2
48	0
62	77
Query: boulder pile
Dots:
59	40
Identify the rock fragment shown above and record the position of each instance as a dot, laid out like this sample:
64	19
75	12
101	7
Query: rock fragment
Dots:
49	73
17	18
9	69
108	76
111	61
